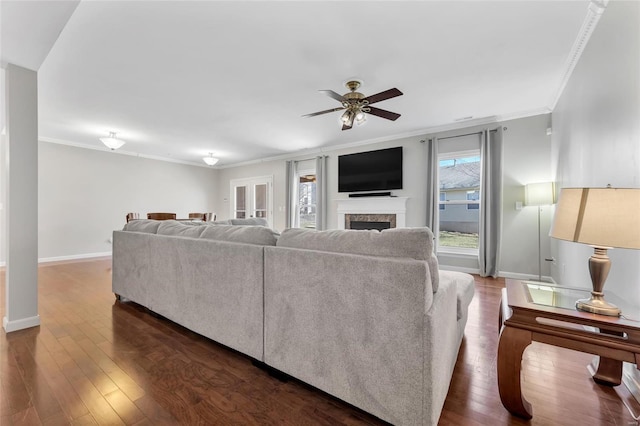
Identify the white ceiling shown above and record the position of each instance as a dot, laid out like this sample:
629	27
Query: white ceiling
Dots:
178	80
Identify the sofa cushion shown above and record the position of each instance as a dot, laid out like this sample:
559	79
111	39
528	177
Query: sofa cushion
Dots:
465	288
256	221
142	225
414	243
258	235
173	227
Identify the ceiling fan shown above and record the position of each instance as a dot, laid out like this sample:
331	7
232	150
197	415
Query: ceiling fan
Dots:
357	105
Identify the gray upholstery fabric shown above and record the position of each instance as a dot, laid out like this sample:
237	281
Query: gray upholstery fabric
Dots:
179	229
414	243
255	221
142	225
214	288
352	326
441	342
241	234
221	222
368	328
465	288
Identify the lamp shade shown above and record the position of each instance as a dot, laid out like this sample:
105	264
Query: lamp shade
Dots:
603	217
539	194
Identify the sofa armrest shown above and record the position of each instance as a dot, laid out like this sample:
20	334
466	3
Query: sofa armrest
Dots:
441	344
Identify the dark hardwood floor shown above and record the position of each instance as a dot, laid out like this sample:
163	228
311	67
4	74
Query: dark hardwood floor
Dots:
97	361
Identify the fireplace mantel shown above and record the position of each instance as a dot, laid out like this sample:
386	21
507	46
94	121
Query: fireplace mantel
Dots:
373	205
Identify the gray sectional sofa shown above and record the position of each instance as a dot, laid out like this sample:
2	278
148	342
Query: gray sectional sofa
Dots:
365	316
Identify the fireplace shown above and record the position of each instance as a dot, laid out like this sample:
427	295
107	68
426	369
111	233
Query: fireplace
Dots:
372	213
369	221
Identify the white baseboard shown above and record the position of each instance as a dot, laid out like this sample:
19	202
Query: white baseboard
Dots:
68	258
459	269
20	324
73	257
524	277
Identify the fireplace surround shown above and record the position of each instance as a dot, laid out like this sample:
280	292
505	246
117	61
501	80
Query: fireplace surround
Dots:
372	209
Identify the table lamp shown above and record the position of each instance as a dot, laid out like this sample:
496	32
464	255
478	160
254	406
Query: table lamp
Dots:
603	218
539	194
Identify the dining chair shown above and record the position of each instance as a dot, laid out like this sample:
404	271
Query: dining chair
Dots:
132	216
161	216
206	217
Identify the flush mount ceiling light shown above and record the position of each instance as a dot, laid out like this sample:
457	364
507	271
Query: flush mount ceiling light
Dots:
210	160
112	142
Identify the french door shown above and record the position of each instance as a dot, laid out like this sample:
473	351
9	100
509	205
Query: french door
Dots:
252	197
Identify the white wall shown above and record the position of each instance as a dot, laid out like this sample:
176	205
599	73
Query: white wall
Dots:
596	139
85	194
527	154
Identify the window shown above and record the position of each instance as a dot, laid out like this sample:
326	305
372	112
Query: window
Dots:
459	183
252	198
475	197
306	199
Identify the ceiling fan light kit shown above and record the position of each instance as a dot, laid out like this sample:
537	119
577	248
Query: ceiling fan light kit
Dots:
357	105
112	142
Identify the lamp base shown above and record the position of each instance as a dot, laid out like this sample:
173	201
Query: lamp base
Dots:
597	305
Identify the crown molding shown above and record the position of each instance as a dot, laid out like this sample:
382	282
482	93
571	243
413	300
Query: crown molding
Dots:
594	12
320	150
121	152
417	133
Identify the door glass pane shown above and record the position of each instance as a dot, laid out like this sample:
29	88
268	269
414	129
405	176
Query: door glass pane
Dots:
241	202
260	200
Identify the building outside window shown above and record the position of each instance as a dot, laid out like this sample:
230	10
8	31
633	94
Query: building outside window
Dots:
459	183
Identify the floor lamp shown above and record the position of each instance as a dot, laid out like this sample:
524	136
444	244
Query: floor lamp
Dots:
539	194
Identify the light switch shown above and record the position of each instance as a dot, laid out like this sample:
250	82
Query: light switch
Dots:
518	205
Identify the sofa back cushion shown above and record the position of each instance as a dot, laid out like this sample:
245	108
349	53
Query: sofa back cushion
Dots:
258	235
255	221
175	228
142	225
414	243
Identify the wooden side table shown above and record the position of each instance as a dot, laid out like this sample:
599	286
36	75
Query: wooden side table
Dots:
546	313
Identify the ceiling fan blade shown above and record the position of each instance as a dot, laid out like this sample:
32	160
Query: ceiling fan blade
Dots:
382	96
333	95
384	113
346	127
323	112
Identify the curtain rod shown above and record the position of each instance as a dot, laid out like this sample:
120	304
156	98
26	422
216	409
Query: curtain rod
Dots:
307	159
468	134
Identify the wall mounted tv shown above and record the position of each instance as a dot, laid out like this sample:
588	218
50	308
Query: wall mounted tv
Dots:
370	171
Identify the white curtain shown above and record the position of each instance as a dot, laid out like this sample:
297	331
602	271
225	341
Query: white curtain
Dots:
321	192
433	192
291	196
490	202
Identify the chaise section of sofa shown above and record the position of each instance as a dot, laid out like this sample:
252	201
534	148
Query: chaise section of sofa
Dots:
206	278
357	315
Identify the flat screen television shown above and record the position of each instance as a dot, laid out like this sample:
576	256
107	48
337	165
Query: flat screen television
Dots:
379	170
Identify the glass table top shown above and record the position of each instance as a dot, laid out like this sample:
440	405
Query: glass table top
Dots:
547	294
